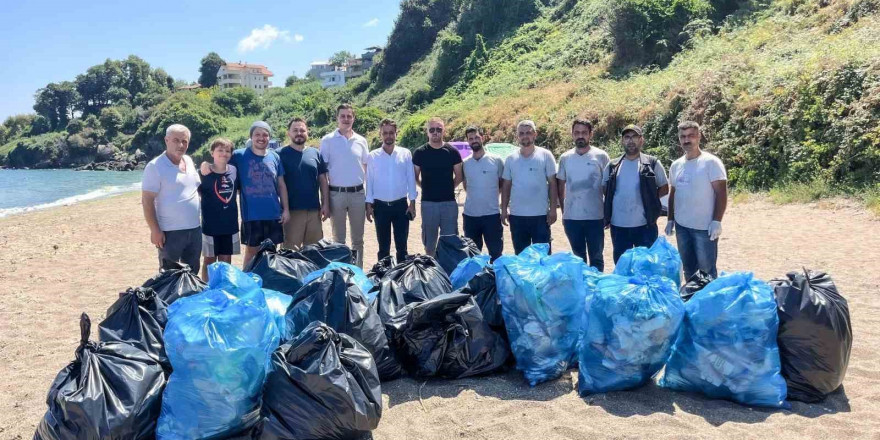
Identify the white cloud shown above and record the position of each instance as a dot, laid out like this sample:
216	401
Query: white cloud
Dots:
372	23
263	37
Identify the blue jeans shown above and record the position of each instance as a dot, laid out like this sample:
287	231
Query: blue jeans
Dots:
587	237
624	239
488	228
528	230
697	251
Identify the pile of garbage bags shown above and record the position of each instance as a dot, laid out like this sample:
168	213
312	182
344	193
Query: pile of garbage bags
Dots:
112	390
282	270
335	299
451	249
322	385
418	278
815	334
446	336
661	259
466	270
325	252
630	324
727	346
138	318
219	343
542	301
483	288
176	281
378	271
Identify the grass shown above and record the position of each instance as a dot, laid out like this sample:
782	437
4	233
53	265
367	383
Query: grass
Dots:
801	192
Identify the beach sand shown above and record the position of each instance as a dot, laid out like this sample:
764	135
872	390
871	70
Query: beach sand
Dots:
58	263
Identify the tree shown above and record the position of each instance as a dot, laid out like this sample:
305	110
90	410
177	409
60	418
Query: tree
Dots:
201	116
94	85
111	120
340	58
75	126
56	102
18	125
291	80
135	75
208	71
162	78
238	101
40	125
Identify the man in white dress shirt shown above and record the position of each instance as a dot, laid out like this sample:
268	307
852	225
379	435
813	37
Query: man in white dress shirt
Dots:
345	153
391	191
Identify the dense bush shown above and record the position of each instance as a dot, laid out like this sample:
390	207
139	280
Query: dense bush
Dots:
200	115
651	31
238	101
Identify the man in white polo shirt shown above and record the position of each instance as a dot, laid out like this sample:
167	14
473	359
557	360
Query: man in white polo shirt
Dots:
170	199
482	181
529	188
391	192
580	193
697	201
346	154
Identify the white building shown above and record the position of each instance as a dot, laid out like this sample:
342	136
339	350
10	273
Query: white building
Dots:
252	76
319	67
332	78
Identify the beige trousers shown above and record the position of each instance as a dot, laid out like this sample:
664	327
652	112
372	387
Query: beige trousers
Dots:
352	206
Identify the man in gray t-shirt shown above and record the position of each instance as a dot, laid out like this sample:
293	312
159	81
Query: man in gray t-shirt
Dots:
634	182
170	199
529	188
482	182
580	193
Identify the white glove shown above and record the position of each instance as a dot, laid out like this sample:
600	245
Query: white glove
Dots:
670	227
714	230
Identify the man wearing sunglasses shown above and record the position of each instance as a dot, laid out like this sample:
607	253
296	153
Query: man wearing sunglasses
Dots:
438	171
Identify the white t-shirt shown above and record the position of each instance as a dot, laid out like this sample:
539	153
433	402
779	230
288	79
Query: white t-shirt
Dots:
528	175
345	158
629	211
694	196
177	193
481	177
582	174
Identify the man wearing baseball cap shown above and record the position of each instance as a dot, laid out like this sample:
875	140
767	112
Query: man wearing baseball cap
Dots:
263	193
634	184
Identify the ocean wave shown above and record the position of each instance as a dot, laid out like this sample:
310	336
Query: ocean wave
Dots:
91	195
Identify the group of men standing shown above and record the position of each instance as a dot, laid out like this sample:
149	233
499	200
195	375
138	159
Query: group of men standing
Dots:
287	193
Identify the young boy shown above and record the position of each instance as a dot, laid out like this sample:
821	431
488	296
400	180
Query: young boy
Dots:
220	240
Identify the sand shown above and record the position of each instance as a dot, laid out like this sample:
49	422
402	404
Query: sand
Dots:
60	262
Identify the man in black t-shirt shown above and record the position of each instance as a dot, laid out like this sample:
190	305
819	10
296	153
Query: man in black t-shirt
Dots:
305	174
220	240
438	171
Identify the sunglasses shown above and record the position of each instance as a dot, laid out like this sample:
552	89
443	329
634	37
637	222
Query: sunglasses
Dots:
435	130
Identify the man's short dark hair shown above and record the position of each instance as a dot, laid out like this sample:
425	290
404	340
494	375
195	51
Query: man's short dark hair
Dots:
344	106
473	129
388	121
296	119
684	125
585	122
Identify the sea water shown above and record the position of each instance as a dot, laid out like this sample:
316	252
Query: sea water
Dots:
29	190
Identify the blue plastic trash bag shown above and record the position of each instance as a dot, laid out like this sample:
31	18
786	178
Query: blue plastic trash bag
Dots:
219	343
278	303
360	278
542	301
629	327
727	344
661	259
467	269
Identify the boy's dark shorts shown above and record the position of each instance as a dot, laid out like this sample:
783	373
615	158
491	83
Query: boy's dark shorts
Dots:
254	232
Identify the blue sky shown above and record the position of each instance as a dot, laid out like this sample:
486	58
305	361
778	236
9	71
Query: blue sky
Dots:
52	41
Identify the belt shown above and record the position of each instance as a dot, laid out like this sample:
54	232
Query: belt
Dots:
391	203
347	189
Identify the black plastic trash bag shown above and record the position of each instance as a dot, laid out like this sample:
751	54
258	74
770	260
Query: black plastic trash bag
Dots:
815	334
451	249
138	318
418	278
323	385
377	273
112	391
335	299
483	288
447	337
325	252
175	283
695	284
282	270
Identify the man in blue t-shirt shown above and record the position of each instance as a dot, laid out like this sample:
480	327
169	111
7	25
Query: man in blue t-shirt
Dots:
262	191
305	173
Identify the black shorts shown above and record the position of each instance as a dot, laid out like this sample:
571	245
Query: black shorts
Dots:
254	232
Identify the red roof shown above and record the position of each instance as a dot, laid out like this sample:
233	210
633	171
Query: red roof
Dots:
240	66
